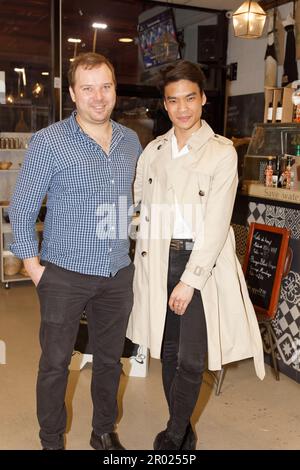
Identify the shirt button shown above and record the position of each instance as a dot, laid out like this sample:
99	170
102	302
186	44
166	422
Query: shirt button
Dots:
147	218
144	253
201	193
110	250
113	228
150	180
112	181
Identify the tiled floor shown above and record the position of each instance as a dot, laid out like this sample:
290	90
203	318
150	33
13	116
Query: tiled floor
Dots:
248	414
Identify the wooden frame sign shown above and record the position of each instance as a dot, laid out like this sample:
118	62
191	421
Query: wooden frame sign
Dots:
264	266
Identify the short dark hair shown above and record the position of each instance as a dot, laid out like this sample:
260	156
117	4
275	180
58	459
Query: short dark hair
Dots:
89	60
182	70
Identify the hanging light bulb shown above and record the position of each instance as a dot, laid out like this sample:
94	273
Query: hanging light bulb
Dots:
249	20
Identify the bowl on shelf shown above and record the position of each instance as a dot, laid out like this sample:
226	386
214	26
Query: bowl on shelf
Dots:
11	265
5	165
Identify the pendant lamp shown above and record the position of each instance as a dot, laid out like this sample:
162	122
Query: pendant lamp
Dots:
249	20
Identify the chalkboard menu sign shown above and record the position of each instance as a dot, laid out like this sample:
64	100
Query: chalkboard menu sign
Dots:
264	265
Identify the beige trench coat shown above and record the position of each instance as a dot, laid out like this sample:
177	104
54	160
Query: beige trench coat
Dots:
206	180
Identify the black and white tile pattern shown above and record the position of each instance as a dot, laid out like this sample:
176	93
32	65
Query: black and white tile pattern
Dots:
286	323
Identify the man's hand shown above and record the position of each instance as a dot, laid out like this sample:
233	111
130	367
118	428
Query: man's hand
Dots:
180	298
34	269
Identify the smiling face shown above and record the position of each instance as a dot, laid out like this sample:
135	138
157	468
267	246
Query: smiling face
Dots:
94	94
183	102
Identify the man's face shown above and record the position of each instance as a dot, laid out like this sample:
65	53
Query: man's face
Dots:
183	102
94	93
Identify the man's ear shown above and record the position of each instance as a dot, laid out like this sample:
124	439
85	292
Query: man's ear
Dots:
165	106
72	94
203	98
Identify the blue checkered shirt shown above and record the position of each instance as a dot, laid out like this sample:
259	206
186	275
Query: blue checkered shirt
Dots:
88	197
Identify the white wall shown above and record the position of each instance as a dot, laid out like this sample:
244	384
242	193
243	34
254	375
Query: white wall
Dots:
249	54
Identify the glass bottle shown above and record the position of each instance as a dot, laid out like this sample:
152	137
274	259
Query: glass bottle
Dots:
269	173
276	181
287	173
279	112
270	112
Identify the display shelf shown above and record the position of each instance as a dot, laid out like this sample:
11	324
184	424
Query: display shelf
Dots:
253	188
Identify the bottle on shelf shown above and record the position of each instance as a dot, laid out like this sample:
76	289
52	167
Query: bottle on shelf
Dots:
279	112
269	173
276	177
270	112
287	172
292	180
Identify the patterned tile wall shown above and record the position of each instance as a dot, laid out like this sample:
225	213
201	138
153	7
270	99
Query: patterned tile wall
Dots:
286	324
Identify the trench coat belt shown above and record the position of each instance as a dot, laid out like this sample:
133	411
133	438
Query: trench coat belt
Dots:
181	244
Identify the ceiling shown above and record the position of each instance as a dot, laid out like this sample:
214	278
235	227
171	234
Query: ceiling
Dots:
25	32
214	4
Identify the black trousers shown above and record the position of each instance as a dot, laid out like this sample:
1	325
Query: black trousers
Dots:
63	296
184	352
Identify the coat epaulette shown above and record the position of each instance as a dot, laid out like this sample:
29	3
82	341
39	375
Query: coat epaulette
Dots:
222	139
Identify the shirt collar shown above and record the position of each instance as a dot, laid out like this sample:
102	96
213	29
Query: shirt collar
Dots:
117	131
176	153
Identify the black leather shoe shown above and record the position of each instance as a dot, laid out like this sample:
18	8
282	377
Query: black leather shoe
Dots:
163	441
51	448
189	441
107	441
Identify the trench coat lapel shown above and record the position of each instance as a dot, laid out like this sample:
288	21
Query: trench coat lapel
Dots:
171	172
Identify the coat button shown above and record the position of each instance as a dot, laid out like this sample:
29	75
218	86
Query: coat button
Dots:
144	253
150	180
201	193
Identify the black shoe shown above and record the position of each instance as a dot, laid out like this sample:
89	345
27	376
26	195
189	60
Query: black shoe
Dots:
107	441
51	448
164	441
189	441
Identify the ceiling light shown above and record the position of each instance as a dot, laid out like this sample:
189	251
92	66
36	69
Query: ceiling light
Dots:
249	20
125	40
45	73
74	40
22	71
99	25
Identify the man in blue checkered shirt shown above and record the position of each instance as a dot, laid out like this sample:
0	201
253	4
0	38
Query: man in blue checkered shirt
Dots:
85	165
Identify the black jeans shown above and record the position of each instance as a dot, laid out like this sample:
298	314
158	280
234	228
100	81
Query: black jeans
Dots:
184	352
63	296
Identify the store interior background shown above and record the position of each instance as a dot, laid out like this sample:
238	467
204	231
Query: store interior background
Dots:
25	35
248	414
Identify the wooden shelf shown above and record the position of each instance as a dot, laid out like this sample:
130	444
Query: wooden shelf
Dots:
15	278
13	170
252	188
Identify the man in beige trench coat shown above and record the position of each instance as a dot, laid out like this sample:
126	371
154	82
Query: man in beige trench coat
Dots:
190	296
